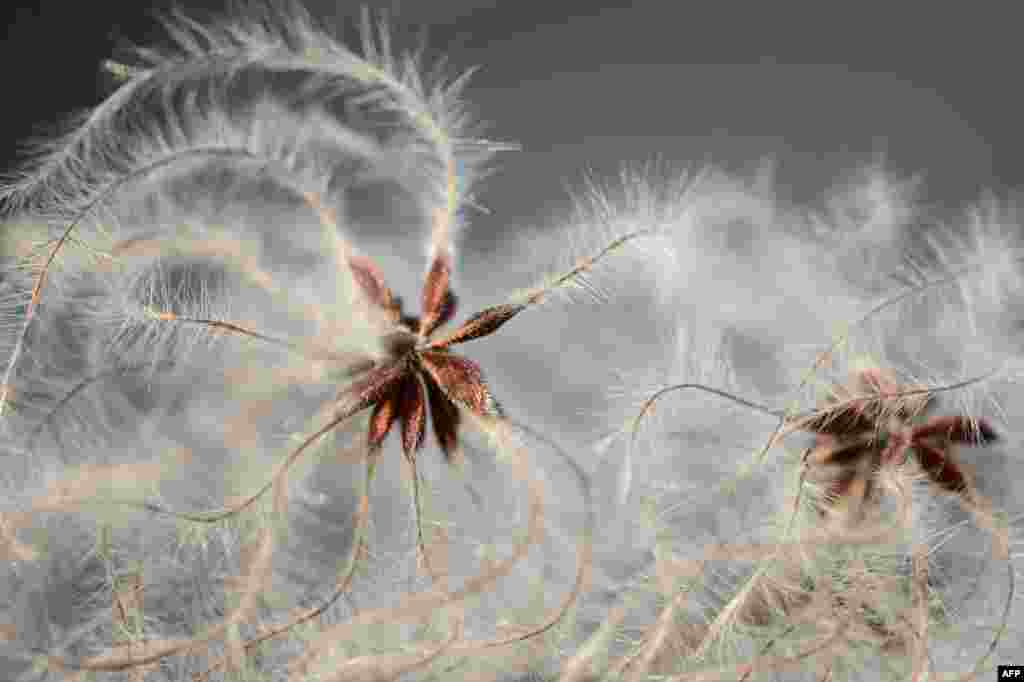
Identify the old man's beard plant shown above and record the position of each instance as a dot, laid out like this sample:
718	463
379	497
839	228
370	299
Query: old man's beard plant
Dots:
195	338
207	351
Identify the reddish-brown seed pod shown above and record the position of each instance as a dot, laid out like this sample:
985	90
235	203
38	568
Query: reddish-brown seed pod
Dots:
384	414
438	302
941	468
481	324
413	411
375	385
462	382
957	430
370	281
445	417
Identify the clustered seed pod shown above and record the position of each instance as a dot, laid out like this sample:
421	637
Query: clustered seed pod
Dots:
870	423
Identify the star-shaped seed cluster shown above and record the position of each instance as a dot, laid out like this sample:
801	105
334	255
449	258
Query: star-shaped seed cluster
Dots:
871	424
419	373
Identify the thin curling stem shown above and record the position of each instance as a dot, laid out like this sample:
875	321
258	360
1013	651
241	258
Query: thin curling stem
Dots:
585	265
586	543
799	421
254	576
341	586
103	195
216	515
421	547
311	352
220	324
77	389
